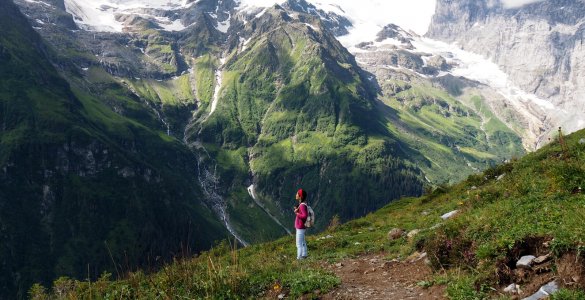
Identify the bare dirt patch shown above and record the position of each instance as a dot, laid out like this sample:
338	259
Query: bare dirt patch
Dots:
374	277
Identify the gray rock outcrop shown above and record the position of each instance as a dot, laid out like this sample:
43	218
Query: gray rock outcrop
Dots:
525	261
539	45
545	291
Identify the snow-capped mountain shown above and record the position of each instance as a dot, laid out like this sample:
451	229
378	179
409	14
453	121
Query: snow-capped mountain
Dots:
435	60
367	17
353	23
107	15
120	15
537	44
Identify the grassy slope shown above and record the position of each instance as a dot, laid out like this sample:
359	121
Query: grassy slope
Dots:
539	192
452	138
173	99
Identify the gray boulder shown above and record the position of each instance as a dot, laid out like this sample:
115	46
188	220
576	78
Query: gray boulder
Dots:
449	215
395	234
545	291
525	261
512	289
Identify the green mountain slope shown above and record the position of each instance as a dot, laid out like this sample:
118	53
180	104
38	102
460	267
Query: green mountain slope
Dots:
81	187
292	111
531	206
455	132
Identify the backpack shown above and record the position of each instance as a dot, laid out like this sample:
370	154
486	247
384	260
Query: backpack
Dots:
310	216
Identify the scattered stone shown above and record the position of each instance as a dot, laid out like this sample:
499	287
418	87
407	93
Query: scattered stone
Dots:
413	257
325	237
581	141
449	215
545	291
541	259
357	243
339	265
281	296
525	261
425	213
436	226
474	187
395	234
512	289
372	270
412	233
500	177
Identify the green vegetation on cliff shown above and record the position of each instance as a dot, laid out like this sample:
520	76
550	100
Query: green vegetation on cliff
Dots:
86	183
453	137
295	103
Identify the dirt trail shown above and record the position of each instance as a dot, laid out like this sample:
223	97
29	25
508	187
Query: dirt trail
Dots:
375	277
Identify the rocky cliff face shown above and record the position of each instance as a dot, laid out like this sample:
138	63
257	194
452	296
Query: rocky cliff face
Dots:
540	46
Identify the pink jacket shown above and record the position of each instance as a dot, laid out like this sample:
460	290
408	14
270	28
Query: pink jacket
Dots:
302	215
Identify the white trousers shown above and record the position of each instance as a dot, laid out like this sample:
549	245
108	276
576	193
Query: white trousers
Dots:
301	244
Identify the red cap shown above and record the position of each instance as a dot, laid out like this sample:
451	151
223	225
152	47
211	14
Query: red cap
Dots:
302	194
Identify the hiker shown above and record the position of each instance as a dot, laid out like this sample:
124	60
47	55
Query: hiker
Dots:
302	213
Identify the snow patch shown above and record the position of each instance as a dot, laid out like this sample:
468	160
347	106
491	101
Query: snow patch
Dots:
244	43
311	26
252	192
92	16
39	2
218	81
100	15
168	25
518	3
225	25
367	16
260	14
476	67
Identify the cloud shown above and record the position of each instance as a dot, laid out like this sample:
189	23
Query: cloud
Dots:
518	3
